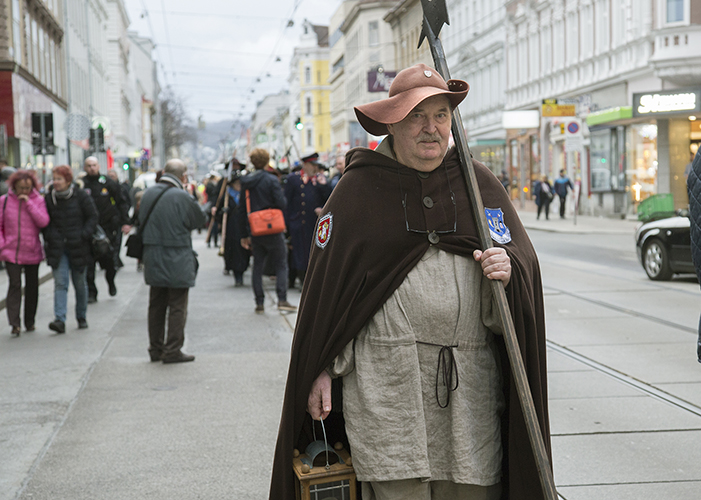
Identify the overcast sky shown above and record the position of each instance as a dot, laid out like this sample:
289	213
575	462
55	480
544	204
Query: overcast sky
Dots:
211	52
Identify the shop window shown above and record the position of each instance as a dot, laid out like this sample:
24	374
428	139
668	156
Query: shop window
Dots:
607	160
642	160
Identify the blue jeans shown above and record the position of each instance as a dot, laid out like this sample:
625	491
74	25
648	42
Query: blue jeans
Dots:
61	290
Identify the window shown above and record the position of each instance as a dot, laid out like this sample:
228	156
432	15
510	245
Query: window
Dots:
308	105
675	11
338	65
352	46
373	33
602	26
307	75
587	32
546	44
28	39
319	106
16	32
318	76
310	138
572	38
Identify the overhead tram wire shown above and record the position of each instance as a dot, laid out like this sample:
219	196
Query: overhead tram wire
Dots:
165	26
153	38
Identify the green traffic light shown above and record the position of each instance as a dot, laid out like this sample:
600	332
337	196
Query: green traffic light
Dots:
299	125
125	166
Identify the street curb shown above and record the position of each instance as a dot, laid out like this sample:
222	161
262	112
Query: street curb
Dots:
43	279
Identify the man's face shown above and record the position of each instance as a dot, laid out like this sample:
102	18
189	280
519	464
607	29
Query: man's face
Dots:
113	175
92	167
340	164
309	168
421	139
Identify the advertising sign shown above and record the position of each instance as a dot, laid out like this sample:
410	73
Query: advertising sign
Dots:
551	107
667	103
380	81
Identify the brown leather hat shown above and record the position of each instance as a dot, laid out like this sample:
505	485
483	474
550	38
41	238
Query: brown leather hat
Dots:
409	88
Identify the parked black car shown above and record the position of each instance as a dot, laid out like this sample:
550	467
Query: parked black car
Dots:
664	247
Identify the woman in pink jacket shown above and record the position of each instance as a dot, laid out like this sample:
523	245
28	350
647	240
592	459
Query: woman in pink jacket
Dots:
23	216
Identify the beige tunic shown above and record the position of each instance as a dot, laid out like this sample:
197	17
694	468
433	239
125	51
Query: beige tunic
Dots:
395	426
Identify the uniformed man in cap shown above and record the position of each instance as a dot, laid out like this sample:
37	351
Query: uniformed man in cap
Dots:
306	191
398	309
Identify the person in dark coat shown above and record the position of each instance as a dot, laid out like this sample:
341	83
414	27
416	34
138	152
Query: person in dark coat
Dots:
170	263
67	242
236	258
306	191
694	190
543	196
561	187
262	190
113	208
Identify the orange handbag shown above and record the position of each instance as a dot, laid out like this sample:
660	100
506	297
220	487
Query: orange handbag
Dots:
263	222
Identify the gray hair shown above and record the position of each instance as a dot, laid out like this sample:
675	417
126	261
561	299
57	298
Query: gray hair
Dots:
175	167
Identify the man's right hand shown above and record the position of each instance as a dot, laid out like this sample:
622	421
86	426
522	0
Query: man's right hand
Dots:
246	243
319	402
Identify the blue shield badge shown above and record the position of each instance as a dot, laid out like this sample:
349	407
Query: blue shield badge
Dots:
497	228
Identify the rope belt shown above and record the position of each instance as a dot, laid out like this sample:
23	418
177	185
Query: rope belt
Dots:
446	367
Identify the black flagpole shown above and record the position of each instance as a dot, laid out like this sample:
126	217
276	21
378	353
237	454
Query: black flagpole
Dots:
435	15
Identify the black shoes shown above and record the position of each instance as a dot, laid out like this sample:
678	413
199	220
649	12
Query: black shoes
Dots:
180	357
113	289
283	305
58	326
155	356
15	331
260	308
92	299
82	324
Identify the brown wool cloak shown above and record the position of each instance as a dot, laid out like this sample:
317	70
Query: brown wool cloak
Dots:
367	256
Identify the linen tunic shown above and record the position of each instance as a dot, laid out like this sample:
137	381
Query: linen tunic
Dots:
395	426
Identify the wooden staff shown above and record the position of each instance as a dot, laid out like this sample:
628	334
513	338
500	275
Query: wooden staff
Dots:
224	219
435	15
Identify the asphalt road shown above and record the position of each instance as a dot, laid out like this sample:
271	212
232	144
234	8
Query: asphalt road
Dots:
85	415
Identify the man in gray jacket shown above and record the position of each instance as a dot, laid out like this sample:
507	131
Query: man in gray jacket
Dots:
170	264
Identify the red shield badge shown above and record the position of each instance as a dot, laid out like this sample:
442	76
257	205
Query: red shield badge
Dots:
323	230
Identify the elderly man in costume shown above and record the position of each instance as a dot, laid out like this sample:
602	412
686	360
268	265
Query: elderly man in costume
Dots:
398	311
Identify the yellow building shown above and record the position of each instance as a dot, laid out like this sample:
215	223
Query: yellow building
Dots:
311	107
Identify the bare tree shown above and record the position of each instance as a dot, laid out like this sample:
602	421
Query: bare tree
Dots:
177	126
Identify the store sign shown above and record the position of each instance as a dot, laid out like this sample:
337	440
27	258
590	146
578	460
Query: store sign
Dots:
673	102
552	107
380	81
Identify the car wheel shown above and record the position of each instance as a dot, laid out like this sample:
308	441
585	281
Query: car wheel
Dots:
656	261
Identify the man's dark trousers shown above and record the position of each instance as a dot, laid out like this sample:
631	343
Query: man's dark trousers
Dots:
562	205
107	263
170	302
273	247
14	293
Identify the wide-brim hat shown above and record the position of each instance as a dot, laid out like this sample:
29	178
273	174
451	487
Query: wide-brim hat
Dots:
410	87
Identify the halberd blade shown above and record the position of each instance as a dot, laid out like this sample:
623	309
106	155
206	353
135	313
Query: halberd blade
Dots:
437	14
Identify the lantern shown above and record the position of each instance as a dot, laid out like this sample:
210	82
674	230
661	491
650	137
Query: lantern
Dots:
324	473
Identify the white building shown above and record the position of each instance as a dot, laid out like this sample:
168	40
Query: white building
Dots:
369	62
270	127
603	57
474	45
86	72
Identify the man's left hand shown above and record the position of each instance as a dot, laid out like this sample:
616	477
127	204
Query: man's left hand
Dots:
496	264
126	228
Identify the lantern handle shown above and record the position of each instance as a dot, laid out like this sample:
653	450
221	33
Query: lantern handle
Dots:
326	444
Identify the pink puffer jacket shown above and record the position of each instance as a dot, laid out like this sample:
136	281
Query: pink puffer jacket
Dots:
20	223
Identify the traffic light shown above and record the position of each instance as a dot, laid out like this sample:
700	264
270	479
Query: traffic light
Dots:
125	166
298	124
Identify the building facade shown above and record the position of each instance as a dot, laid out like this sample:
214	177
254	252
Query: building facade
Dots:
310	91
32	80
625	74
474	44
369	65
86	74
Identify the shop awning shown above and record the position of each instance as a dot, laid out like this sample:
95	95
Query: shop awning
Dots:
610	115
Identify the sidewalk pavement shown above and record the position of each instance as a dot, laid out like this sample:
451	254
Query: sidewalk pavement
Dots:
581	224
